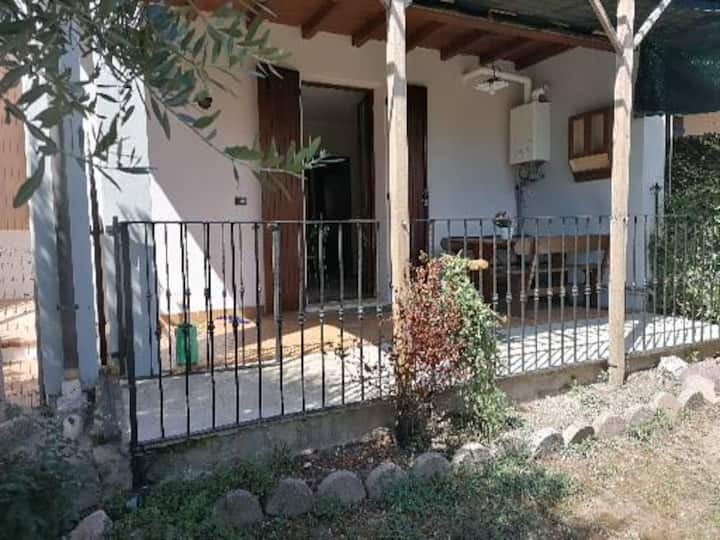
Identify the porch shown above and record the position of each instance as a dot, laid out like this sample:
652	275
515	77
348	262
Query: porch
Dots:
291	301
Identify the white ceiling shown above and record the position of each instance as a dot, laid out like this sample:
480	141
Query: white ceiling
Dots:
321	104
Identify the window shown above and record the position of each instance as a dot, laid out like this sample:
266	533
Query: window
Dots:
590	144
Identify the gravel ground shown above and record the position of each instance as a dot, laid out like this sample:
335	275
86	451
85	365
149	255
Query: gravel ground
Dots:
587	402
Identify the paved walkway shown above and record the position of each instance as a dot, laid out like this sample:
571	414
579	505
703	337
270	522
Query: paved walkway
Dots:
241	398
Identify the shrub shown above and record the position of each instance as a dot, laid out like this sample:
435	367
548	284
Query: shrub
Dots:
484	404
427	347
447	338
35	497
685	248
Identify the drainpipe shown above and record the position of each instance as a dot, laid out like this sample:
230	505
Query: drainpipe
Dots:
484	71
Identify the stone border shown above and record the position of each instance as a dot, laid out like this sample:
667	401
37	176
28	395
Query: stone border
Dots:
698	391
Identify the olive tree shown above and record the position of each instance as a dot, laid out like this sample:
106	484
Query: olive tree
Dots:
178	54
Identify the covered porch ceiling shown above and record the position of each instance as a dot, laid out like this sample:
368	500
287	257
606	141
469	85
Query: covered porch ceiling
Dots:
450	32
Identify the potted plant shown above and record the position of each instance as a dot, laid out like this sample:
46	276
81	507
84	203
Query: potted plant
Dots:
503	225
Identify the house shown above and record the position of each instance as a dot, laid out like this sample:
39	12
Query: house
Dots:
509	111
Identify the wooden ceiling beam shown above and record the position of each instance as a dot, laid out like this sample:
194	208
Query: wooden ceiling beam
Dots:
518	50
461	44
313	23
365	33
502	50
462	20
546	52
422	33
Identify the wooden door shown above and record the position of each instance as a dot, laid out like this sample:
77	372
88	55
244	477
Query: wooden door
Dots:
365	122
417	119
279	116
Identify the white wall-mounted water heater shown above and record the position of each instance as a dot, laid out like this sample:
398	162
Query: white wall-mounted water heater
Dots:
530	133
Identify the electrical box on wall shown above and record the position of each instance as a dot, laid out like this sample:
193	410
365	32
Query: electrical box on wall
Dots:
530	133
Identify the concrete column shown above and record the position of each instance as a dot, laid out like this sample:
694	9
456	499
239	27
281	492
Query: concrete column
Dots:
42	235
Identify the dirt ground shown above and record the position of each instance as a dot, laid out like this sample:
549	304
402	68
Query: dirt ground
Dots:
664	486
659	482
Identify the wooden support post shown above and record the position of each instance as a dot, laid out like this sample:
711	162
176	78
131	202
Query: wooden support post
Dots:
397	148
620	188
398	190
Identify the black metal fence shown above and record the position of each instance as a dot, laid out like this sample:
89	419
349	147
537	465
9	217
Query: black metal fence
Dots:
201	356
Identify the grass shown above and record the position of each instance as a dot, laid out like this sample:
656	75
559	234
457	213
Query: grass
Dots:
182	509
648	432
508	499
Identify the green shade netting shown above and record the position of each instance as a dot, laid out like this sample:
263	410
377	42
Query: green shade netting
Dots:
679	61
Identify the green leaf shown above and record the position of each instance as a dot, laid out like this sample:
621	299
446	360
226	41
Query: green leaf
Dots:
12	78
243	153
30	186
51	116
107	140
134	170
205	121
32	95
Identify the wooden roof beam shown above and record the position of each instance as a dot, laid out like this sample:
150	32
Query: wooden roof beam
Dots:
650	22
422	33
313	23
463	20
461	44
504	50
365	33
547	51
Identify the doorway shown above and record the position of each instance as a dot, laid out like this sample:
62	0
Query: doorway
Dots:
339	197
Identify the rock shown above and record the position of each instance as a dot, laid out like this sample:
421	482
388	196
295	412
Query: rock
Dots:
344	486
383	477
291	497
672	367
608	425
72	427
237	509
472	454
691	400
638	415
545	442
702	384
430	465
666	403
577	433
96	526
709	369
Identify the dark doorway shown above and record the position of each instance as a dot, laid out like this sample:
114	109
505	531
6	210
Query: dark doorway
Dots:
340	254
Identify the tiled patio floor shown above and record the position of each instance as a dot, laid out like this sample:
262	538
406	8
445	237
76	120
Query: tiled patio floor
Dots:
239	396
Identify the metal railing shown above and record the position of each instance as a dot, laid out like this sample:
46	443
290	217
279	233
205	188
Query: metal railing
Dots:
227	323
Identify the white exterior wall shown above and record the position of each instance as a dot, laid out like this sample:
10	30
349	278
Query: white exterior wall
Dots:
582	80
468	174
468	132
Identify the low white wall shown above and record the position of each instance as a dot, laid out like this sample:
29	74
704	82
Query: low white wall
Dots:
16	266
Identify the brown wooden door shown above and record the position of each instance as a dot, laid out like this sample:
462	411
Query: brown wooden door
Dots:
367	174
417	118
279	115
